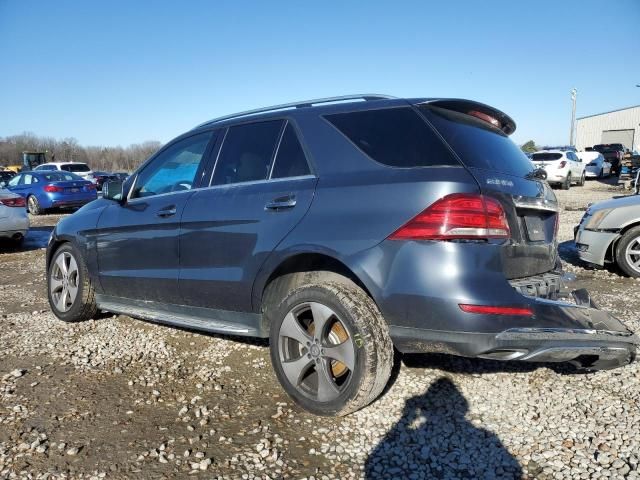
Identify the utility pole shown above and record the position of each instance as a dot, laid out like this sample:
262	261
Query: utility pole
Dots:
574	94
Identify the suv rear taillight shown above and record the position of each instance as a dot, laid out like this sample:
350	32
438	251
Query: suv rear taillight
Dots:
456	217
563	164
13	202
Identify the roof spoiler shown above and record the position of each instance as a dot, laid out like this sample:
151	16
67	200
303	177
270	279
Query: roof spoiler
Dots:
478	110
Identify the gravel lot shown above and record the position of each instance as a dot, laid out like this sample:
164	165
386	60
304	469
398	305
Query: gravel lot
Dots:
122	398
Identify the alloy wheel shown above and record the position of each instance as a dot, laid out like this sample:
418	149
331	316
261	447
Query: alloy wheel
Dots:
632	254
63	284
316	351
32	205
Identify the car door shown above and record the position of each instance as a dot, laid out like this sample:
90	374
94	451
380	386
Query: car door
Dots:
261	187
137	239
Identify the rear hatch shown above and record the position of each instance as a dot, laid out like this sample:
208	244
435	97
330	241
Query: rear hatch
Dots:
546	160
478	134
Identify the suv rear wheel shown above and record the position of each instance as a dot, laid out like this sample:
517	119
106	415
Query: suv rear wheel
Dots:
71	295
330	346
567	183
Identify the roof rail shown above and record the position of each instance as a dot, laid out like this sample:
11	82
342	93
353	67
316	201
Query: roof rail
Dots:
302	104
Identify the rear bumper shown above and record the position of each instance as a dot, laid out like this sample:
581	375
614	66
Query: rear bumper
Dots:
71	201
15	223
419	287
608	344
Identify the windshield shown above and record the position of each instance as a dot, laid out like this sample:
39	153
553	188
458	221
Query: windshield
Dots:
61	177
477	143
545	157
76	167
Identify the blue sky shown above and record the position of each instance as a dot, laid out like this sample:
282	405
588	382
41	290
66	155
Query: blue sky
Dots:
122	72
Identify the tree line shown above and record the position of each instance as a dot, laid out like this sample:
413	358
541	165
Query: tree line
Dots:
99	158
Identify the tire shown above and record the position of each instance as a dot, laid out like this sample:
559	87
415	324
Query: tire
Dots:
17	242
601	174
351	328
60	286
582	180
566	185
33	205
628	261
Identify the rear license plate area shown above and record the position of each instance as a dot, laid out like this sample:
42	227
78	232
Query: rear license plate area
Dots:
535	229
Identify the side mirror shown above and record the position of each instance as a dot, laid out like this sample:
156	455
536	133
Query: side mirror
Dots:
112	190
540	174
3	184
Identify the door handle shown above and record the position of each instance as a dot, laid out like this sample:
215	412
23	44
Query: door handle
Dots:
167	212
281	203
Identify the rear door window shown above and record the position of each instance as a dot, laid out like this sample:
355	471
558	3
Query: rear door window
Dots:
477	143
396	137
247	153
290	160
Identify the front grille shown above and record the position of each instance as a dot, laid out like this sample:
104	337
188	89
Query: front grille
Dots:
547	285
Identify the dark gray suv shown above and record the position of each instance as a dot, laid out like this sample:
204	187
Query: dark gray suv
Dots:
339	228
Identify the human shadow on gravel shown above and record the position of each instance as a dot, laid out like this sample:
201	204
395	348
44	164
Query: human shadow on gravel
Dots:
434	439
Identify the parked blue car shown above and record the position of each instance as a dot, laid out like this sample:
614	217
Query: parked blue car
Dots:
52	189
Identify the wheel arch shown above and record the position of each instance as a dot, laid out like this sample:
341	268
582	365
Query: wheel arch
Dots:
610	254
302	262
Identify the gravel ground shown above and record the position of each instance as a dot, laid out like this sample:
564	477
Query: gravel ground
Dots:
122	398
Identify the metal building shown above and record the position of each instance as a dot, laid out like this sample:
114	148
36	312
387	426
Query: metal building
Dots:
616	126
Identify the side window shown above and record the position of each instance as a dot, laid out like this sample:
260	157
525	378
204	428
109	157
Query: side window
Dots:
15	181
247	152
174	169
290	160
396	137
28	179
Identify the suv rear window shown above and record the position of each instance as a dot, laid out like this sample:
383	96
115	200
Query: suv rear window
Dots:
75	167
478	144
540	157
396	137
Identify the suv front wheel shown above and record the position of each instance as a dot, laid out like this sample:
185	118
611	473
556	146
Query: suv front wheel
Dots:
330	345
71	294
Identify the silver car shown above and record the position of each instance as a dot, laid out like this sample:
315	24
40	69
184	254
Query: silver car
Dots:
14	221
610	232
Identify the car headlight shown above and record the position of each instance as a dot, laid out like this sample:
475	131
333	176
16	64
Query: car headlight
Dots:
595	219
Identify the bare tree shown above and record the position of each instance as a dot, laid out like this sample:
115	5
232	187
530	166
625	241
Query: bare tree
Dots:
68	149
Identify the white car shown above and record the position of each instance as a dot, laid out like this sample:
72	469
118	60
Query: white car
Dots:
563	167
78	168
14	221
595	165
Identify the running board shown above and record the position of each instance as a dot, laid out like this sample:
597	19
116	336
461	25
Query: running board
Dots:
198	318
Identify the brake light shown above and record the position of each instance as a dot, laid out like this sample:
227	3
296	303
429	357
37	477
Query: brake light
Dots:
90	187
13	202
53	188
495	310
457	216
563	164
486	118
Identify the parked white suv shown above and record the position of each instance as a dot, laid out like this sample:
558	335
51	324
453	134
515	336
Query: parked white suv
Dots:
78	168
563	167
